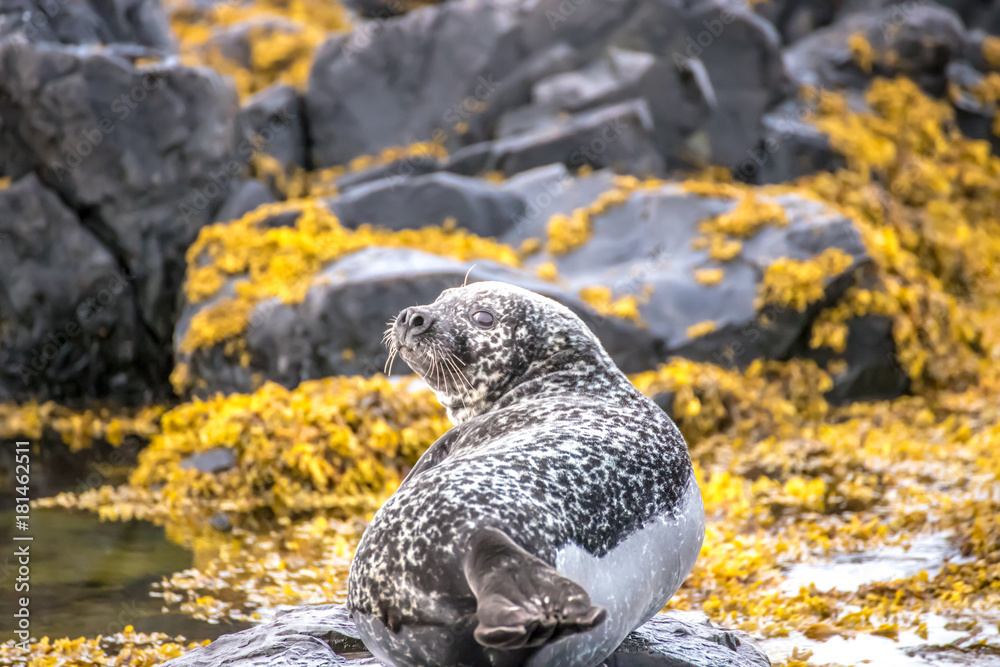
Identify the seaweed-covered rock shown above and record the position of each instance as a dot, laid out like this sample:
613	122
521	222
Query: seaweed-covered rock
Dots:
916	40
337	328
726	276
68	323
325	635
143	155
135	22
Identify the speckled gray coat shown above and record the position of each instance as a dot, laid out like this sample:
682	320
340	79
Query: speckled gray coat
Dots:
553	446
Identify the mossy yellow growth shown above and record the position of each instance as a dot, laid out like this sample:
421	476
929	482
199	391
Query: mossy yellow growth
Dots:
701	329
926	201
861	51
767	398
567	233
339	444
297	183
302	562
790	283
709	276
991	51
722	235
124	649
547	271
751	214
282	262
282	37
600	299
78	429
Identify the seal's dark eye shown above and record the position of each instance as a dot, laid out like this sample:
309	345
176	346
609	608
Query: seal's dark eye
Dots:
483	318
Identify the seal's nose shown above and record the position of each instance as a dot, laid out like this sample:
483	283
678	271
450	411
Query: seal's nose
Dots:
412	322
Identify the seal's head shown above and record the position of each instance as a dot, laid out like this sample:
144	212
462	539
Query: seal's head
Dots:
476	344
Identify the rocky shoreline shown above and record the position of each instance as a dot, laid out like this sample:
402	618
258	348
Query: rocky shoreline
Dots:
110	140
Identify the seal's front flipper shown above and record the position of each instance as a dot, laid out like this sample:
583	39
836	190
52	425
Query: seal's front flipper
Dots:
522	601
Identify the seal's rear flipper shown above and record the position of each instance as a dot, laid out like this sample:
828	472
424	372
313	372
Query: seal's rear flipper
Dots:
522	602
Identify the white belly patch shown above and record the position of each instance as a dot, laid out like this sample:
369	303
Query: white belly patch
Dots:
633	581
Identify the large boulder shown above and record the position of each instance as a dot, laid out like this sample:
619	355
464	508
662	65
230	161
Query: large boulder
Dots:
67	308
917	40
326	635
455	73
644	275
144	156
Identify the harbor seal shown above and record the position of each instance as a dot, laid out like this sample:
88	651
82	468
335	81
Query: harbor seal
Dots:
560	513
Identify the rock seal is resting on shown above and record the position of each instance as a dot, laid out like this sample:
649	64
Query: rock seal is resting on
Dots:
559	514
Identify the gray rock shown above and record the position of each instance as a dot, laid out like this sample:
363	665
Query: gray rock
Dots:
411	165
145	156
791	147
678	102
641	248
271	121
453	71
483	208
248	196
137	22
211	461
794	19
325	635
620	136
741	56
68	324
916	40
973	114
415	78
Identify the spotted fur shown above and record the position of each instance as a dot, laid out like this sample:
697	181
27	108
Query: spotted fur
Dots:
552	445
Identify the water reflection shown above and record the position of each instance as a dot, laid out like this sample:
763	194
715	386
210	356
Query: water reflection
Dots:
90	577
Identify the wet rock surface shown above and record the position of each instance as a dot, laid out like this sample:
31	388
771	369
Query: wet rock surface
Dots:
325	635
142	157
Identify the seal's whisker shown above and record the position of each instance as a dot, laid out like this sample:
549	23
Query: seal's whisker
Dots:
387	369
466	281
451	360
462	395
434	371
